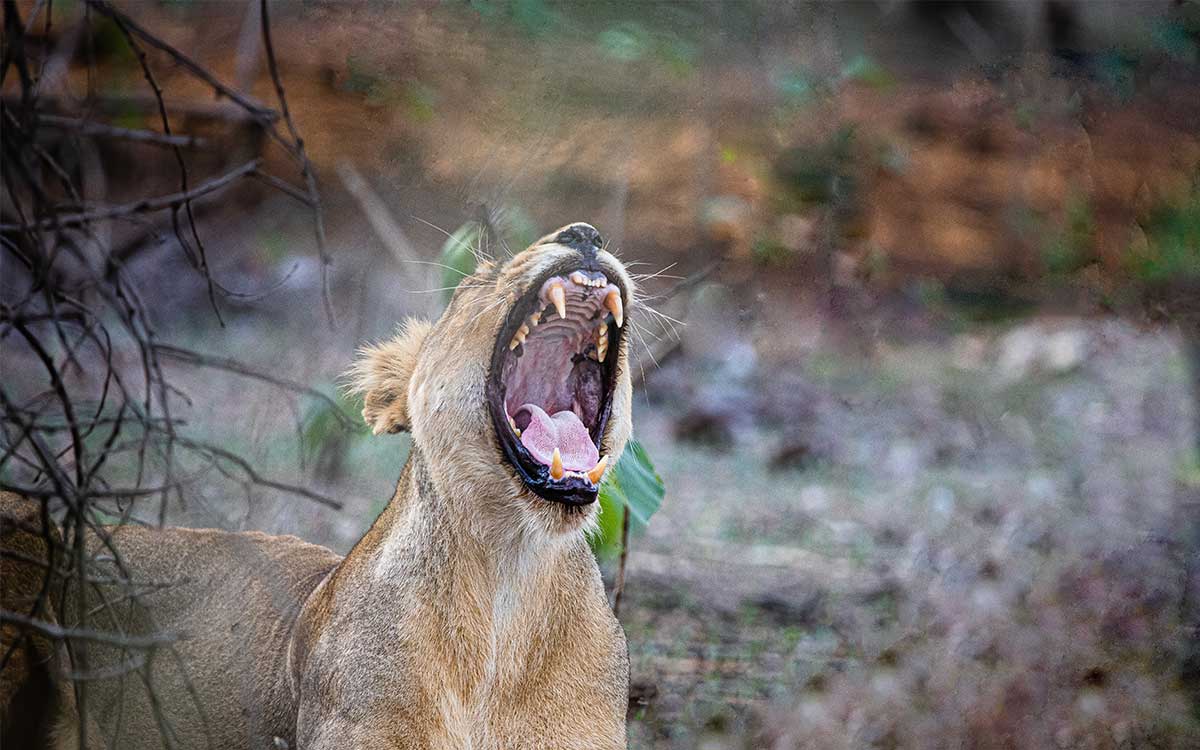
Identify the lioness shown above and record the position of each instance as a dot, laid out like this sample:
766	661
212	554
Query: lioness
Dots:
471	614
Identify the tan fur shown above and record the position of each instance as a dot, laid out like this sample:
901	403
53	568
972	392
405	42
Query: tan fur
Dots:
470	615
382	375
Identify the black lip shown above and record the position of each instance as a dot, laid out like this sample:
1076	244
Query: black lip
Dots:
571	491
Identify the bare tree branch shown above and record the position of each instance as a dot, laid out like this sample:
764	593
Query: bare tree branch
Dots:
143	206
88	127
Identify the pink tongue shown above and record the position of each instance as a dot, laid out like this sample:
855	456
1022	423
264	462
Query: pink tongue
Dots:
563	431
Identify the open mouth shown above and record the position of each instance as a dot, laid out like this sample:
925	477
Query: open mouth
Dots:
550	385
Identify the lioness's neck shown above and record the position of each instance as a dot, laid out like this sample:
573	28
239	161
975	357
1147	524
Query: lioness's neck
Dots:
483	583
476	530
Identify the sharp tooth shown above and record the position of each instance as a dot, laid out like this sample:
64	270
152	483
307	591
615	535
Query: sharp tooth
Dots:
613	302
513	424
534	319
559	298
601	342
598	470
518	337
556	467
580	279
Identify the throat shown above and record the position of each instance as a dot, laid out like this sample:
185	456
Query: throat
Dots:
487	574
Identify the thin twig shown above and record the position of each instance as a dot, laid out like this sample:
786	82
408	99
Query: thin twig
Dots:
92	128
59	633
619	584
306	169
253	475
201	255
257	110
232	365
143	206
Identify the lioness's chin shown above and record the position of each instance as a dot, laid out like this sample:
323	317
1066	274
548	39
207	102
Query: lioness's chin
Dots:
553	376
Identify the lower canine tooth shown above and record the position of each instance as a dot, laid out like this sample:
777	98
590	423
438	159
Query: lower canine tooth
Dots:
598	470
556	467
519	337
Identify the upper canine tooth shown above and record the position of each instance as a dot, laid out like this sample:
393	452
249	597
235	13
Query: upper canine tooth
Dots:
613	302
559	298
556	467
598	470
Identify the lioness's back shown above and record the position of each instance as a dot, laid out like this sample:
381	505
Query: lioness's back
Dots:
228	600
233	599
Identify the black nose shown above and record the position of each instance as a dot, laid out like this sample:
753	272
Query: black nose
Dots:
581	237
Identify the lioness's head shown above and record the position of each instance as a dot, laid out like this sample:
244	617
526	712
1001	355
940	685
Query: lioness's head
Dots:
520	393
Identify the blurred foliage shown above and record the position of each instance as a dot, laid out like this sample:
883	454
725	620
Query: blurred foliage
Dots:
623	31
1172	242
866	70
800	86
1179	38
769	252
963	303
380	88
1071	249
519	228
458	256
632	485
323	430
532	16
820	173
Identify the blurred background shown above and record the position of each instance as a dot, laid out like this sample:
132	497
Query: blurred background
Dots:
922	369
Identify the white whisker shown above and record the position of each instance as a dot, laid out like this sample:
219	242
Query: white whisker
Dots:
657	274
445	288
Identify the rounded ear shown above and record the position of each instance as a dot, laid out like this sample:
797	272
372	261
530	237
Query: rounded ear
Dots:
382	373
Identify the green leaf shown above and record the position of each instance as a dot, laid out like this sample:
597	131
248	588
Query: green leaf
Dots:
458	256
634	484
639	483
634	487
606	544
